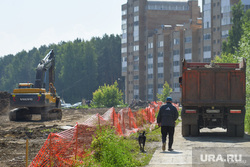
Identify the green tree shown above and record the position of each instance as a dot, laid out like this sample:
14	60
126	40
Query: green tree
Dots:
226	58
165	93
108	96
235	33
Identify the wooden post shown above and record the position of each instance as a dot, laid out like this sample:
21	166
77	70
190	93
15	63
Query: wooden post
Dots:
123	123
27	152
129	117
99	120
76	140
113	117
50	151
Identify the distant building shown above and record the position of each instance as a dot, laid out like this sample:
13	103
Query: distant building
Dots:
147	44
217	15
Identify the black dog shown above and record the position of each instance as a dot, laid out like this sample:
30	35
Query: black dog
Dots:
142	140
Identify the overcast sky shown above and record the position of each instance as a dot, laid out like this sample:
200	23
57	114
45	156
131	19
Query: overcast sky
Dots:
25	24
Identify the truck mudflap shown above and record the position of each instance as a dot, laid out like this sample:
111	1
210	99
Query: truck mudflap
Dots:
189	122
235	124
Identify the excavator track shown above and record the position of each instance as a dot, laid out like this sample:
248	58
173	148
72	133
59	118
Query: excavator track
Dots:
54	114
23	114
20	114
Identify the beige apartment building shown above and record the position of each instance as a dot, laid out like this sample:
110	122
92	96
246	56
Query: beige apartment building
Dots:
147	29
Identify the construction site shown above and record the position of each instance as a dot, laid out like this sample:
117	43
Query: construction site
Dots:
15	133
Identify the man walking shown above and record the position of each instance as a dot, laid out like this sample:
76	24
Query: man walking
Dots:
166	118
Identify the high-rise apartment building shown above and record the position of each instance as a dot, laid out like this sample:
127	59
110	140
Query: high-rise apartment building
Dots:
217	21
147	29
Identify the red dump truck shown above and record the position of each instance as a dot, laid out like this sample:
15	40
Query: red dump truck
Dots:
213	95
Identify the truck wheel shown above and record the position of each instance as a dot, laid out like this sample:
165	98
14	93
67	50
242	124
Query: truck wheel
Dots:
231	130
240	130
194	130
185	130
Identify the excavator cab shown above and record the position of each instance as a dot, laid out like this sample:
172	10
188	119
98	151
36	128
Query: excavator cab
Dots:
25	85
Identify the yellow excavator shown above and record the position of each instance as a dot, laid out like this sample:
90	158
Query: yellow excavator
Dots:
29	98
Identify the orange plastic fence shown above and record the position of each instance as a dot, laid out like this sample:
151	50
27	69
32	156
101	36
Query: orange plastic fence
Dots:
63	149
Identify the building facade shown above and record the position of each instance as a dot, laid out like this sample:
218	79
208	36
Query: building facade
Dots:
217	21
147	27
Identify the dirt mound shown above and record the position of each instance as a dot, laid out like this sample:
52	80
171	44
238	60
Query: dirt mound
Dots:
4	102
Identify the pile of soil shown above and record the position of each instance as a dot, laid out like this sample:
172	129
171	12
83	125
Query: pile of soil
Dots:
4	102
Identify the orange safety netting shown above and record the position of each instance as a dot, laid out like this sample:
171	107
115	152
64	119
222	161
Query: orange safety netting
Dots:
64	148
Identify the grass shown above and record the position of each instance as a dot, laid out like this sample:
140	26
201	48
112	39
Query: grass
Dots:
108	149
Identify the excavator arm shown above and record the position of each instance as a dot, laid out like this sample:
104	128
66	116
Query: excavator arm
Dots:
47	63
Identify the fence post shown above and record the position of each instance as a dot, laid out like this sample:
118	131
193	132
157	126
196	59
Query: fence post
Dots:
142	116
27	152
76	140
113	117
99	120
50	150
123	124
129	117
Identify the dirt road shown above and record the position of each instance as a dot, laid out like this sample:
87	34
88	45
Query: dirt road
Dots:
13	135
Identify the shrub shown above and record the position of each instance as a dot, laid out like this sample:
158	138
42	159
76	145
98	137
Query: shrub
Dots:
108	96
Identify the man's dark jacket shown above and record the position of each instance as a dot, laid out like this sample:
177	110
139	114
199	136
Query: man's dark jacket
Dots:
168	114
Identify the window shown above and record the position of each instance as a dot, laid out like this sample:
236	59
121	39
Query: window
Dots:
136	77
176	63
176	52
224	34
124	12
189	50
136	58
160	75
160	44
207	36
124	50
176	41
188	39
160	85
150	76
206	48
160	54
150	55
207	60
136	18
150	66
136	47
176	74
136	33
160	64
136	67
150	45
136	8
